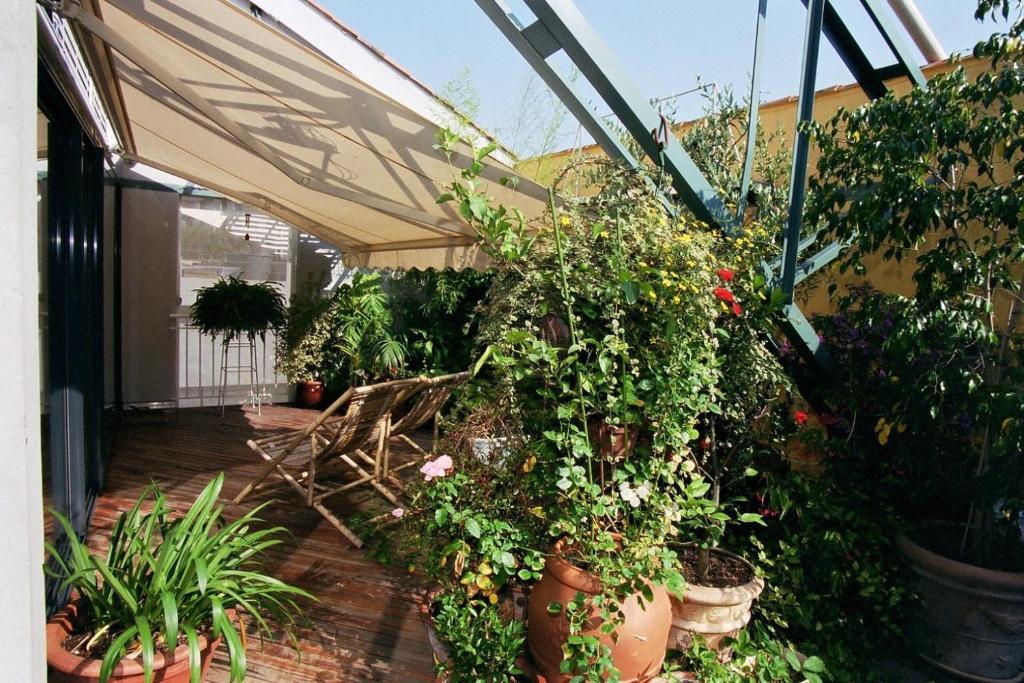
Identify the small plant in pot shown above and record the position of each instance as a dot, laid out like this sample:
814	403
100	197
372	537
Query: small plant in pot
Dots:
934	178
480	551
742	426
168	592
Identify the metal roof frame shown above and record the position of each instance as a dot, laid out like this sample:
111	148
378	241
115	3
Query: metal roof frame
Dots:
560	26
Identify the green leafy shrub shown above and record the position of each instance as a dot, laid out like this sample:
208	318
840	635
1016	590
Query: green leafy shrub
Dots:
344	338
435	314
936	177
482	643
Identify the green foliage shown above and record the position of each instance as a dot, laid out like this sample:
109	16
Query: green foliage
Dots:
303	340
483	644
834	583
765	662
164	577
234	308
435	314
344	338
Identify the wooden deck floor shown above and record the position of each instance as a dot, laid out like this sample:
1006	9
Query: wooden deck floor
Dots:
366	625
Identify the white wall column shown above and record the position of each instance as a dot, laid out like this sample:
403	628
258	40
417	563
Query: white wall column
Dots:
22	647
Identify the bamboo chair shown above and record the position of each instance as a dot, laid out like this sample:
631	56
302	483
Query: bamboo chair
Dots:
430	398
332	438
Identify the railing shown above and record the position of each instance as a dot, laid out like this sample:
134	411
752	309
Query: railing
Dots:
209	375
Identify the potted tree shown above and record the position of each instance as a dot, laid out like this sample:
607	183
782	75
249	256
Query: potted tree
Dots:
934	178
166	594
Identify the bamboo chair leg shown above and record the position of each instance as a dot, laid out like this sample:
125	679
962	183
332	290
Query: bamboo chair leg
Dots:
345	531
311	479
272	464
383	449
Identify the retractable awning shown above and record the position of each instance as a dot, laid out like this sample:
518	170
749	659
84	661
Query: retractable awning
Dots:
209	92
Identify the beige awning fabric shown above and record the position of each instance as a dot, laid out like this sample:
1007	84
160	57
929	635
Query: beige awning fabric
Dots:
211	94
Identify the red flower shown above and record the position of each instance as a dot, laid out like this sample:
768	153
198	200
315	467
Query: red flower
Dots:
724	294
736	308
725	274
800	417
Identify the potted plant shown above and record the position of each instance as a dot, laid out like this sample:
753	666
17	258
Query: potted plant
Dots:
234	308
302	343
166	594
336	340
934	178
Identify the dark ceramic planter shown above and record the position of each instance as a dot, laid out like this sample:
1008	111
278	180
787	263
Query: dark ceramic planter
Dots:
970	621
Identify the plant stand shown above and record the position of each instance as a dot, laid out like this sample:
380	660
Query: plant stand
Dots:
258	392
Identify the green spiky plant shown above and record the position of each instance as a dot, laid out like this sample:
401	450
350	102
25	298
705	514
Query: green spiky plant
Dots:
164	577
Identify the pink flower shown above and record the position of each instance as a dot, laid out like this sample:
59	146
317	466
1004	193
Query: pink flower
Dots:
725	274
436	468
397	513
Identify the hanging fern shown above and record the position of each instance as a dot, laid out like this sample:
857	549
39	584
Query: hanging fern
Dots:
234	308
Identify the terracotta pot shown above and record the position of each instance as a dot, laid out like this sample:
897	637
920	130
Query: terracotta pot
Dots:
715	613
970	621
612	442
638	649
66	667
310	394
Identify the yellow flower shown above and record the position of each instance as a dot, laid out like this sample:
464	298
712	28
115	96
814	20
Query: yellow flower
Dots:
530	463
652	294
565	220
883	429
676	300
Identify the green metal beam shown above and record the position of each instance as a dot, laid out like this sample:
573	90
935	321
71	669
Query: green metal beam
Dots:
599	66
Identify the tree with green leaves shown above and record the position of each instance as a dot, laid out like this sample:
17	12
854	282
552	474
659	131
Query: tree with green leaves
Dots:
936	177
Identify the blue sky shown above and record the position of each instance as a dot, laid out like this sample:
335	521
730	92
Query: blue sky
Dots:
663	44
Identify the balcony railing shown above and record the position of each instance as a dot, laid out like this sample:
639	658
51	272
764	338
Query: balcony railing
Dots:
210	375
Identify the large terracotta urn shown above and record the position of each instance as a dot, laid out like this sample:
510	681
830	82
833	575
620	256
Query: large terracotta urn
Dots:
66	667
716	613
970	621
639	643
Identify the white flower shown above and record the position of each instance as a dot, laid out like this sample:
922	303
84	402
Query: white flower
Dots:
627	494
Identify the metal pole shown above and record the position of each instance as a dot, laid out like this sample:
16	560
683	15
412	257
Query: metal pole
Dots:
117	300
920	32
798	177
752	111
